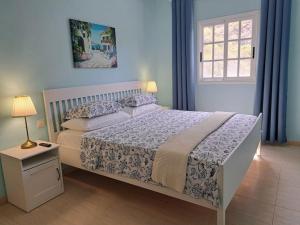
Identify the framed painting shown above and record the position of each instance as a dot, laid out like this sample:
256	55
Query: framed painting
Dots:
93	45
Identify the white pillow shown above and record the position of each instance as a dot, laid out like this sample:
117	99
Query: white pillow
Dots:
139	110
85	124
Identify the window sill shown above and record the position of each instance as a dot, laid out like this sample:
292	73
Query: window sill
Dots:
236	82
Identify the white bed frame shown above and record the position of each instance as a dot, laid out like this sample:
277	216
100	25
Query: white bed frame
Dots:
232	170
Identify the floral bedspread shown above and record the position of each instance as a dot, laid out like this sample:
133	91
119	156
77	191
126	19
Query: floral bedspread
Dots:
129	148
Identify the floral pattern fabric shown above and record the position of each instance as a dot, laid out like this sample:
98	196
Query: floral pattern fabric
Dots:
93	109
138	100
129	148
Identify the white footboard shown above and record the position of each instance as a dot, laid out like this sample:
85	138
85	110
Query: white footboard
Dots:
235	167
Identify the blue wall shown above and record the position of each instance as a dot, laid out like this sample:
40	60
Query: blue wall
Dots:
209	97
240	97
35	53
293	114
159	47
227	97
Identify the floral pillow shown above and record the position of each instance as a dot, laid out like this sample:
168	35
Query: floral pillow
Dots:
138	100
93	109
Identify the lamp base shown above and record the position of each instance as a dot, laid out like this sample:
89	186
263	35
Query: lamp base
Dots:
28	144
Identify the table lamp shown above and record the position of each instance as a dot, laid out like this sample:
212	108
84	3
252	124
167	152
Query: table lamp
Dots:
23	107
151	87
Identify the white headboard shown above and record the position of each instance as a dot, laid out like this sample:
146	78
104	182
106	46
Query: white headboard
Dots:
58	101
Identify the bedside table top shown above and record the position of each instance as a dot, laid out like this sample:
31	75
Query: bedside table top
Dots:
18	153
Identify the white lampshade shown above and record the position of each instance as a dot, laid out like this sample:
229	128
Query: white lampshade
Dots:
151	87
23	106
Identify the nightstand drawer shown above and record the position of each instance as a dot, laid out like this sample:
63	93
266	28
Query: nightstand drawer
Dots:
42	183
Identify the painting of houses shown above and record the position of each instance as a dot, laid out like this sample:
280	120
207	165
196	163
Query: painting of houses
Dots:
93	45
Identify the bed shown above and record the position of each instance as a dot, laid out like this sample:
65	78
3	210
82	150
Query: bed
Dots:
215	193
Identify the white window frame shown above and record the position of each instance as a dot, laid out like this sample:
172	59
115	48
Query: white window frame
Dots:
254	15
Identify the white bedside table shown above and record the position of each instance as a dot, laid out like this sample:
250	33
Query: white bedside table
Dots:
32	176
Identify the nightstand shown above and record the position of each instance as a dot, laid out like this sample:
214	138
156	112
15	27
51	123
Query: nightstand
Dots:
32	176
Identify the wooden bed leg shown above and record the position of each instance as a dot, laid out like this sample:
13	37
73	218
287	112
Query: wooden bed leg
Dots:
221	216
258	149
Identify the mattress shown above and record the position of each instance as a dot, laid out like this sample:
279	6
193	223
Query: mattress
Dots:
70	138
129	148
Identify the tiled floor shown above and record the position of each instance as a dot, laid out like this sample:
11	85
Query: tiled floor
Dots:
271	188
269	194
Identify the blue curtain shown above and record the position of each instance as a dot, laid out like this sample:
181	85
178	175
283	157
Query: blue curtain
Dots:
183	60
272	74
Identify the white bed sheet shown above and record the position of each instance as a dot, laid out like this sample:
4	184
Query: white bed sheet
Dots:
70	138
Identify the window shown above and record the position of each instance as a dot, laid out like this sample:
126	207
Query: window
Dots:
227	48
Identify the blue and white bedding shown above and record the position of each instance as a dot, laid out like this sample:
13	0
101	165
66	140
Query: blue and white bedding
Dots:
129	148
